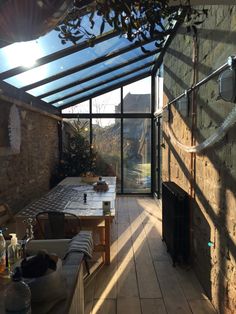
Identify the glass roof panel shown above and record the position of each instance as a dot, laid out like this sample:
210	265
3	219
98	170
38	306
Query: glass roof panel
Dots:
65	63
91	70
65	80
90	93
97	24
32	50
105	77
28	52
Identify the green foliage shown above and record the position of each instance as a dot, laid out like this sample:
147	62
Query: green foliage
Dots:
139	20
78	157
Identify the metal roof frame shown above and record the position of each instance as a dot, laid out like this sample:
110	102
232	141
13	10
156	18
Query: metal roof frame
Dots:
59	54
52	105
106	90
14	92
100	73
103	82
88	64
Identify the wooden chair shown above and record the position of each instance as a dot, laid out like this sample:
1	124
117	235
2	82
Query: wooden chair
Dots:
57	225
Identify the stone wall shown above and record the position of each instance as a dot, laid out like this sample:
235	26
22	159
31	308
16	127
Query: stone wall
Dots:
209	177
26	175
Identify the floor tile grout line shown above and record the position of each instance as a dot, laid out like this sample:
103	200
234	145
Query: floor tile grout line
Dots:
136	275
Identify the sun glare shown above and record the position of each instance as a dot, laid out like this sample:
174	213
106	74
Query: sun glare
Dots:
23	54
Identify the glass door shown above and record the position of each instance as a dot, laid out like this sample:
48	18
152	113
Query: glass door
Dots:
136	155
106	142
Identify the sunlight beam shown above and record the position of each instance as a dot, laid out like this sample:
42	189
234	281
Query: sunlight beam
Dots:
124	263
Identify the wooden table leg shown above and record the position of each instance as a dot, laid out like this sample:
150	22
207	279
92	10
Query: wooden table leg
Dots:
107	240
102	236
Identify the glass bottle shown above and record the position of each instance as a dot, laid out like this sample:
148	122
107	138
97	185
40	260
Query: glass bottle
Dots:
13	252
17	298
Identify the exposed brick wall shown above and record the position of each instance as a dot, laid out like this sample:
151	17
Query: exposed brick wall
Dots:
214	194
26	176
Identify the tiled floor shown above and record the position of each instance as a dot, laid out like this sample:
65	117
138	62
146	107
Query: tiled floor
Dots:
140	278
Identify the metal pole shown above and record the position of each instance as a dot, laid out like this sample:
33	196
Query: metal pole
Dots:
203	81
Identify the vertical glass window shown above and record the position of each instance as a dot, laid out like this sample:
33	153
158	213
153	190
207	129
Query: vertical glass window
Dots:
137	97
107	145
107	103
117	134
137	155
75	158
83	107
74	127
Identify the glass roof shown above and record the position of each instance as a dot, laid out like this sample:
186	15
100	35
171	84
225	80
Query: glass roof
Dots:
113	75
99	90
43	46
68	62
36	49
110	67
64	75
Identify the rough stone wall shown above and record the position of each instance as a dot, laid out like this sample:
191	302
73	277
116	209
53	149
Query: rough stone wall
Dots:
212	174
26	176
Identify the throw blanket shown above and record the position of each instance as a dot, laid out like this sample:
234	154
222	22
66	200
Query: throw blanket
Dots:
82	242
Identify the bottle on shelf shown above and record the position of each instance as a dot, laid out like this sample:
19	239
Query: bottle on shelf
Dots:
2	253
17	298
13	252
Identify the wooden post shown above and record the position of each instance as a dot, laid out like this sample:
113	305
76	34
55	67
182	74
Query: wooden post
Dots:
107	239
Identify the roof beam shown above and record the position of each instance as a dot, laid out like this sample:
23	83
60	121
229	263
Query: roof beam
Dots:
106	90
100	73
114	78
90	63
168	41
59	54
125	115
14	92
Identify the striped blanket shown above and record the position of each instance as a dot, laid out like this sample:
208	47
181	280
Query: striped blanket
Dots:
82	242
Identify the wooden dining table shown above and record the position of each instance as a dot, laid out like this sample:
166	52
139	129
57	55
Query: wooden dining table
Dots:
69	196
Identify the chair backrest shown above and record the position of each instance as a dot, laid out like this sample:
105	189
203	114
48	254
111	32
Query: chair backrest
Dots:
57	225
